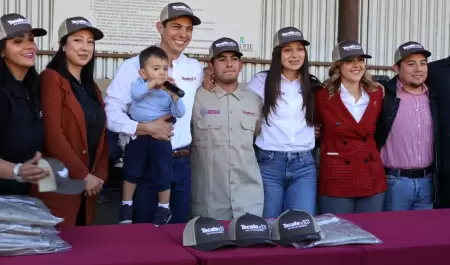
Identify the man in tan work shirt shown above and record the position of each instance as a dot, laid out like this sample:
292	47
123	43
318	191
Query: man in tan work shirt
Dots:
226	181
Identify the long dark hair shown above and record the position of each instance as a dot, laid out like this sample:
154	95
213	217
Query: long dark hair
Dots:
59	64
30	82
272	88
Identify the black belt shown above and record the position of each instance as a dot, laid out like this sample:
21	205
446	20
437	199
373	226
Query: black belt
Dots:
409	173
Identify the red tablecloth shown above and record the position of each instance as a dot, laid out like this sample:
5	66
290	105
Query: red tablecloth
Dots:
342	255
112	245
412	237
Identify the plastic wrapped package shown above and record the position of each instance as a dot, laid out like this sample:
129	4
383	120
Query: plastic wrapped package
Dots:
24	241
337	231
27	227
13	228
25	210
48	244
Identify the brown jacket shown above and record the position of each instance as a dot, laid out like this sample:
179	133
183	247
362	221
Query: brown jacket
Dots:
66	140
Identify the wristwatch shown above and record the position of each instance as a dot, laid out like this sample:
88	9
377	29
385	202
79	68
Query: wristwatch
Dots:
16	173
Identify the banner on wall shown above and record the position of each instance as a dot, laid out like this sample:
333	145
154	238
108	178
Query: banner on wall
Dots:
130	25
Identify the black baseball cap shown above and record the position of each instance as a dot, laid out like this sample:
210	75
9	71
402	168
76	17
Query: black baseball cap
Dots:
58	180
206	234
408	48
348	49
223	45
13	25
249	230
295	226
178	9
74	24
288	34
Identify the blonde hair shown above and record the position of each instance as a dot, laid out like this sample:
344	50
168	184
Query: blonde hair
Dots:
334	82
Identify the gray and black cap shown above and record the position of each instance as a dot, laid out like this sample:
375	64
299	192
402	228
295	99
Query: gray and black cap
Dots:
408	48
346	50
13	25
223	45
178	9
74	24
58	180
288	34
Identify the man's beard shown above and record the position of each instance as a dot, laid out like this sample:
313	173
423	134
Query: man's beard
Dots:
416	84
226	81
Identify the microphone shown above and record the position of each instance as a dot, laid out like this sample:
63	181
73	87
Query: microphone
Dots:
174	89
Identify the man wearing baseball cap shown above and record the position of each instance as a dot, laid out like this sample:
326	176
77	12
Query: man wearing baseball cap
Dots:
439	80
176	24
407	132
226	180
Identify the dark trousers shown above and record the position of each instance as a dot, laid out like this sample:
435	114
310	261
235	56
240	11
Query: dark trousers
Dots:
115	152
150	160
145	200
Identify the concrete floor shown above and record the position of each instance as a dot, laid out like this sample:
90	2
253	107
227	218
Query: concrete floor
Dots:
110	201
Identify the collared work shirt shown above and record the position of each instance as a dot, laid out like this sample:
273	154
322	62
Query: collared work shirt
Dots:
188	75
226	181
410	143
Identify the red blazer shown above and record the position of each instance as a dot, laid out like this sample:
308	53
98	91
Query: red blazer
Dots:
66	140
350	164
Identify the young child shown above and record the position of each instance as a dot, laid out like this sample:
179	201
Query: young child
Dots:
146	159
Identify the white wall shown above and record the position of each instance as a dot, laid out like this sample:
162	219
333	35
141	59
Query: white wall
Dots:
384	24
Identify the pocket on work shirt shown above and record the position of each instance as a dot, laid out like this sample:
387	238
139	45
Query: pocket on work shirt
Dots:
210	133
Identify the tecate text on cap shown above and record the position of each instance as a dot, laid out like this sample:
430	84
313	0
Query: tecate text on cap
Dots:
213	230
291	33
352	47
185	8
226	43
18	21
80	22
412	46
254	227
297	224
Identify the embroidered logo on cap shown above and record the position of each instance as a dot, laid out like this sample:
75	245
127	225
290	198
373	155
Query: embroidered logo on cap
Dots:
184	8
295	225
64	173
412	46
81	22
291	33
18	21
226	43
213	230
254	228
352	47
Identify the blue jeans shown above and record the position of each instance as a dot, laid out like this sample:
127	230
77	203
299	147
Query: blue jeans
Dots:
145	201
405	194
342	205
290	181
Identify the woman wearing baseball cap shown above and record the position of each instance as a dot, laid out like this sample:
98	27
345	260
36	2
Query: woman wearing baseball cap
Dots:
21	121
287	138
75	121
351	175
